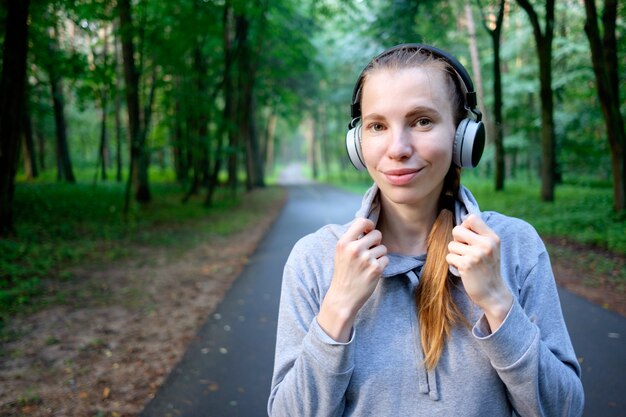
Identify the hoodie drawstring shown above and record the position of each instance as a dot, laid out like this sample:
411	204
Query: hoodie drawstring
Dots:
427	379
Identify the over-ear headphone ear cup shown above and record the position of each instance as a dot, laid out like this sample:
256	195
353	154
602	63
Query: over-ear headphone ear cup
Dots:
469	143
353	146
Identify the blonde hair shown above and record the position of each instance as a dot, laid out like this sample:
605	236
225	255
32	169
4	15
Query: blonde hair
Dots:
437	311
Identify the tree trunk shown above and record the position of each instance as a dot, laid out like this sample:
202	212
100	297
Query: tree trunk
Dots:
30	155
544	52
225	126
498	132
270	141
103	149
605	67
64	162
12	88
138	163
309	134
548	142
473	47
247	131
230	91
118	110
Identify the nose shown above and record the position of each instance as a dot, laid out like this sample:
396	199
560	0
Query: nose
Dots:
400	146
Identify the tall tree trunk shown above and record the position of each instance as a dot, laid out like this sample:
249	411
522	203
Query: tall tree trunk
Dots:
30	155
65	171
605	68
118	111
247	134
12	87
543	40
495	30
225	126
473	47
230	91
270	141
309	134
322	123
103	149
138	159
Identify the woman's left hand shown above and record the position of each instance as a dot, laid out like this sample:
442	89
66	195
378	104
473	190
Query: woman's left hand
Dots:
475	252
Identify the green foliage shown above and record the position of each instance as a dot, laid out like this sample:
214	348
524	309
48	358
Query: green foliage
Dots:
581	213
61	225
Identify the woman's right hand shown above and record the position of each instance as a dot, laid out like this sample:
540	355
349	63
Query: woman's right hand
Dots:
360	259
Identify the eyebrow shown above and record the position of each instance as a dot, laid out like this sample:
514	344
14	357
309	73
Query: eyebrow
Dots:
416	111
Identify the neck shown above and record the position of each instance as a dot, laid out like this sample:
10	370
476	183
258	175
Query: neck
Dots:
405	228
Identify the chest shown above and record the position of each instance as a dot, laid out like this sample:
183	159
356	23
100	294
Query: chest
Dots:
389	359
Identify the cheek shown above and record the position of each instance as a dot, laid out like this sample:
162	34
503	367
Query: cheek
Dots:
437	150
372	150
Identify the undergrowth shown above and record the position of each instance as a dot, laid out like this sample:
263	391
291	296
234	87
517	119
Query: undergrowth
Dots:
61	225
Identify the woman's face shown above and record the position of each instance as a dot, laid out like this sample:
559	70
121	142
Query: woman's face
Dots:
407	133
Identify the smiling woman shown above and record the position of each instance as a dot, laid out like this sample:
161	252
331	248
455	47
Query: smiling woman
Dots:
452	310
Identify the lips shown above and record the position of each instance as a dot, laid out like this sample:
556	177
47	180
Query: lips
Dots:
401	176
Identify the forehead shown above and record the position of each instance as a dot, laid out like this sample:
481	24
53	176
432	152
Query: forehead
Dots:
406	85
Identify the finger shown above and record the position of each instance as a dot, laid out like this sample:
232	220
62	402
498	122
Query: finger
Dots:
359	227
463	234
477	225
379	264
453	260
378	251
458	248
371	239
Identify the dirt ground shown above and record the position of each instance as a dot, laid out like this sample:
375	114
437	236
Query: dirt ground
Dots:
108	355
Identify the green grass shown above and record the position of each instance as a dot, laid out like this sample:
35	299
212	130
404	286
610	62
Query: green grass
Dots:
62	225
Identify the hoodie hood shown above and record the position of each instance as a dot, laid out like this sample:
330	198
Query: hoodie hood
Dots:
465	205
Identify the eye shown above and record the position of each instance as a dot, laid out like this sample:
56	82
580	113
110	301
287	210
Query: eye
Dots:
423	122
376	127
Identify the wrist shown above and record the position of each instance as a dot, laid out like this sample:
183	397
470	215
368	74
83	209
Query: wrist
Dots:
497	309
336	320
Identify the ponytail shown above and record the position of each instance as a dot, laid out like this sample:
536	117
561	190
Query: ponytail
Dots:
437	312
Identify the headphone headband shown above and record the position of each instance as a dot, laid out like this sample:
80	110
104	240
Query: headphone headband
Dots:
459	69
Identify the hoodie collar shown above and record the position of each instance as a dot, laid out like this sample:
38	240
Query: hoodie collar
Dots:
400	264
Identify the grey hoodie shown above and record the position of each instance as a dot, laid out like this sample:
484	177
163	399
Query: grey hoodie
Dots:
526	368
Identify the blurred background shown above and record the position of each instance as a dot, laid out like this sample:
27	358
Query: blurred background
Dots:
146	122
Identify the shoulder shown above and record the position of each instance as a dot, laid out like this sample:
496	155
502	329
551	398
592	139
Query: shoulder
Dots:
309	267
318	243
522	251
514	231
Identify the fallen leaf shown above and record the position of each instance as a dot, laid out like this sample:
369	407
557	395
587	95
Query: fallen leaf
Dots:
106	392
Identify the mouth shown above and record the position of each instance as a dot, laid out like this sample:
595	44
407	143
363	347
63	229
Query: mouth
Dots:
401	176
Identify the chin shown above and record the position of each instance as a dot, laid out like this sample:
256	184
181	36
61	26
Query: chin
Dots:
412	194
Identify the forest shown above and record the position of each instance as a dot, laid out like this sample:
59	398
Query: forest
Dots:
215	96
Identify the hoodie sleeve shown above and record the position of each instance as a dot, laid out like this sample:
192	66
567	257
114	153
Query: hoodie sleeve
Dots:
531	350
311	370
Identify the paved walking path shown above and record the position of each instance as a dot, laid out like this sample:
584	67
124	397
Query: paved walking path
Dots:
227	368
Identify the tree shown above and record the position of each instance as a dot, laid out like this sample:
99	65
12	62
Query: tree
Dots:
12	87
493	25
543	41
65	172
138	155
605	67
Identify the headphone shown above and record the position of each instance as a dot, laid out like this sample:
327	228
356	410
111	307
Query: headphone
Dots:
469	138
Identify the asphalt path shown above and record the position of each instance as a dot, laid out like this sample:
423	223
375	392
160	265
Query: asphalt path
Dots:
227	368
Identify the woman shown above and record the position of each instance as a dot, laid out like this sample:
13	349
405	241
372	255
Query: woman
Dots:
422	305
